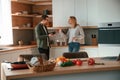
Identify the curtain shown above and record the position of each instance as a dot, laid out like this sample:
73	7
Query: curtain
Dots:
6	32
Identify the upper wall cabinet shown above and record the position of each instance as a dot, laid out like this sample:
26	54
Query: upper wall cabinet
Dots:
108	11
87	12
81	12
62	9
92	12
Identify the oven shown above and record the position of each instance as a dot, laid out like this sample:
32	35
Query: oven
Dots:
109	33
109	39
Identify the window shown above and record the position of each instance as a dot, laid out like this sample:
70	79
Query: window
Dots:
5	23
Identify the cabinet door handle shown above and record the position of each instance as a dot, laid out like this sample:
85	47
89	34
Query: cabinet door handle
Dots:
110	29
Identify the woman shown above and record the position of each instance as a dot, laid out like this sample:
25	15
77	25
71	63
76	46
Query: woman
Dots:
75	35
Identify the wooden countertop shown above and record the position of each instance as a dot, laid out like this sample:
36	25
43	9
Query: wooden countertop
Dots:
13	48
82	46
14	74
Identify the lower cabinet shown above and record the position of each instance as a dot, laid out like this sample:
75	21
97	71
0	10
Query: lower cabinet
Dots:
109	51
12	56
92	52
58	51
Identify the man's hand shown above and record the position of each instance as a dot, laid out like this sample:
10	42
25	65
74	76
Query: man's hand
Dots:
50	35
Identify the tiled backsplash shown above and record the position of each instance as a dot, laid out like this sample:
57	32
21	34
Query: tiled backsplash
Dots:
25	35
28	35
88	34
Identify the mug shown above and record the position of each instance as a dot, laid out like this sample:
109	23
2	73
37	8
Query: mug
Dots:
28	25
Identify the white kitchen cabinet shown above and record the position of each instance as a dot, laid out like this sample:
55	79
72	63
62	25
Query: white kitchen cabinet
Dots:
12	56
99	11
81	12
92	12
108	11
109	51
87	12
62	9
57	51
57	9
92	52
34	50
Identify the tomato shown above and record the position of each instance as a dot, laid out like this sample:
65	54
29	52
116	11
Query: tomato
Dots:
91	61
79	62
74	61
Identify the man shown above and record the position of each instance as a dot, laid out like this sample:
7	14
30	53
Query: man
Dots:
42	36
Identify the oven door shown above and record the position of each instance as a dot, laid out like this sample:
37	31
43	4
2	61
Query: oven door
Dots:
109	35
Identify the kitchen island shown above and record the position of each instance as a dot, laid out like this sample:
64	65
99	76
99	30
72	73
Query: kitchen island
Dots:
109	71
55	51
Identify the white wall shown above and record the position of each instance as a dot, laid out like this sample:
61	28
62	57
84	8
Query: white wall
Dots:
5	23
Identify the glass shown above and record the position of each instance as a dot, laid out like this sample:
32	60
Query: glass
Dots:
63	44
58	43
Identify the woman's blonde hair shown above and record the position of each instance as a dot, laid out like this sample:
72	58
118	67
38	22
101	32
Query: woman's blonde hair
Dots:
74	19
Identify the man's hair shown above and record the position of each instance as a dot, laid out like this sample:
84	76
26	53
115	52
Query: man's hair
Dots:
44	17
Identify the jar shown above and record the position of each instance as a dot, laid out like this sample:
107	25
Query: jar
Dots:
20	42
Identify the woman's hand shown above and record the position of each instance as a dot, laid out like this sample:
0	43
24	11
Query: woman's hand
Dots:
74	39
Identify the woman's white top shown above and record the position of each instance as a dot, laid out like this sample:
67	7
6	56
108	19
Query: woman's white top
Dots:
76	32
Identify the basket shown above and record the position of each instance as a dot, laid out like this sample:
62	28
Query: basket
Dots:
43	67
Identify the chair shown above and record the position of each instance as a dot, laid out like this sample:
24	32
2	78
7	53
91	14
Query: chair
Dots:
75	55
